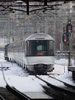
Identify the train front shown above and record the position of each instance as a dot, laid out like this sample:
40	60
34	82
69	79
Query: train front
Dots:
40	54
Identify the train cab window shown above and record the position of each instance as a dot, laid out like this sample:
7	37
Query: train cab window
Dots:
39	48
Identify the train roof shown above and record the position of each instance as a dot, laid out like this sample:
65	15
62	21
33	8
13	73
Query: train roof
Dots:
39	36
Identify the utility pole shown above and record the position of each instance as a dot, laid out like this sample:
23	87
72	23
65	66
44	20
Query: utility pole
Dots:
69	32
67	39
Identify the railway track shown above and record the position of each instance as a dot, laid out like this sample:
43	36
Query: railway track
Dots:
17	93
2	97
59	90
20	95
29	96
55	88
13	90
68	85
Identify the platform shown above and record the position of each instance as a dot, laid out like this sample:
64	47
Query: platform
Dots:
38	95
71	68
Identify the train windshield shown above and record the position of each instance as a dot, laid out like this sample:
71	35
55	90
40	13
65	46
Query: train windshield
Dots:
40	48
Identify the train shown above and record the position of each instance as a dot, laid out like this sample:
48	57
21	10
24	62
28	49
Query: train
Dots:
36	53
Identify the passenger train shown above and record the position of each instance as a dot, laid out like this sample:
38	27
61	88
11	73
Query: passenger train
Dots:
35	53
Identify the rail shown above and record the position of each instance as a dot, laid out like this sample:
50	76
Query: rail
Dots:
66	90
17	93
2	97
14	90
68	85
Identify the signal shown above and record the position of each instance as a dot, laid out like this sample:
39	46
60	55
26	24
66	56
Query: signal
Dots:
65	38
69	28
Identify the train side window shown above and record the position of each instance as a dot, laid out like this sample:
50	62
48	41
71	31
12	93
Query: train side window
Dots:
51	48
24	47
27	48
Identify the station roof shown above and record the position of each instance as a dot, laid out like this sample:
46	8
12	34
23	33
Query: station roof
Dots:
32	0
45	3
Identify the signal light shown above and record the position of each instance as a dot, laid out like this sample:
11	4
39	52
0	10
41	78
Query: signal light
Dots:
65	38
69	28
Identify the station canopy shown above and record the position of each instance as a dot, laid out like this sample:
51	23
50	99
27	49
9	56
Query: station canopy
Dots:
51	4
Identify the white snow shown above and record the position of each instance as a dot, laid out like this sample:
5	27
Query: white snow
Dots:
25	84
67	78
2	83
17	77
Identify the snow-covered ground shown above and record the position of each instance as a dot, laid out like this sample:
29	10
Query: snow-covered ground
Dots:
17	77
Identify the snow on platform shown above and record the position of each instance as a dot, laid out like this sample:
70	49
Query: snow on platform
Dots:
38	95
